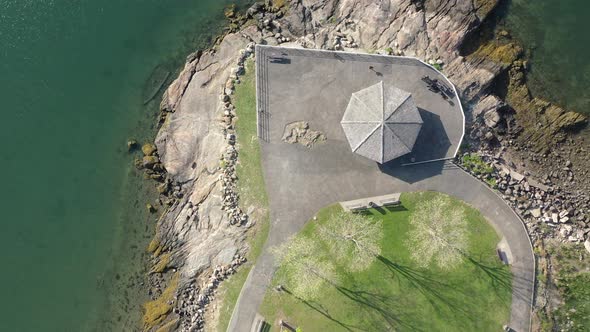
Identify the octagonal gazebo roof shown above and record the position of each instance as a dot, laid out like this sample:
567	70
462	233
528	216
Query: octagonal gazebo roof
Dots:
381	123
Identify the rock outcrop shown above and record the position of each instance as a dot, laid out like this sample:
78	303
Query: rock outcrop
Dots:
200	232
299	132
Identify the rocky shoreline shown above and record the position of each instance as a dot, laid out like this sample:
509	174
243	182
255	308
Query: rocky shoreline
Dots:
201	236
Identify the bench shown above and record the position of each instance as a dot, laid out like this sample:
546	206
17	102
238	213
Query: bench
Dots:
389	202
353	206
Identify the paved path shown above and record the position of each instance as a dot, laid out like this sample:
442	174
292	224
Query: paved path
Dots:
301	181
288	216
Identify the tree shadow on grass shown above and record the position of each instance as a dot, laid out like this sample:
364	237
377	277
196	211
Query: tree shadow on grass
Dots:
435	291
319	308
502	279
447	299
388	308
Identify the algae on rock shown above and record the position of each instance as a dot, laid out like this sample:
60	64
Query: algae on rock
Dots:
162	263
157	310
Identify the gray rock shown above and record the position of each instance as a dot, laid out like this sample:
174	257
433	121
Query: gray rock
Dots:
516	176
491	118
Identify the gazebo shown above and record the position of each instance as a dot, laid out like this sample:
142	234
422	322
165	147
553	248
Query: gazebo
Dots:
381	122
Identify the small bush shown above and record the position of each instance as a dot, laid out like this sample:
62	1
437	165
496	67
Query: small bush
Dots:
492	182
476	165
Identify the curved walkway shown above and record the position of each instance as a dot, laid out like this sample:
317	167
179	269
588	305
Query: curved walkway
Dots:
293	205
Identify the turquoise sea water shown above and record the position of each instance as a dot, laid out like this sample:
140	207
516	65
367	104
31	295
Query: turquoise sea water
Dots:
72	85
557	34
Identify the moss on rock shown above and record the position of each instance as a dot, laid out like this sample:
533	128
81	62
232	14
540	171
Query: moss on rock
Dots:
157	310
484	7
501	53
543	123
149	149
162	263
169	326
154	244
158	251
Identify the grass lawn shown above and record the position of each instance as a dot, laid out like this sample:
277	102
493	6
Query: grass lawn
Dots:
250	187
394	294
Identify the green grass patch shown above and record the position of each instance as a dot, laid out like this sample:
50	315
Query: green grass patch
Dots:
250	187
395	294
475	164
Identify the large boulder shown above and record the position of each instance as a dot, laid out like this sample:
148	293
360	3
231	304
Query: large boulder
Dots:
491	118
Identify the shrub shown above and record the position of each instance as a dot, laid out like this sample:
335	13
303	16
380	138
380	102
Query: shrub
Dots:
476	165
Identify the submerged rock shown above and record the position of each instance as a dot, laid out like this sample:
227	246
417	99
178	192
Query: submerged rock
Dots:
151	208
131	145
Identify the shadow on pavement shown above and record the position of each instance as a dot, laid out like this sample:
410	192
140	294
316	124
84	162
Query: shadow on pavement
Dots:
432	141
414	173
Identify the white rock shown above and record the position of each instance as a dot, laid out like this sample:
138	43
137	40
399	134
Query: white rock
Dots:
536	212
587	245
516	176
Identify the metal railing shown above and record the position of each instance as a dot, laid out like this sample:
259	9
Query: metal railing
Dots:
262	95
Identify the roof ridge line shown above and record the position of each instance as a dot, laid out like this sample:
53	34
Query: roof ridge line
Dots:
361	101
382	156
358	121
403	143
382	103
366	138
394	122
400	104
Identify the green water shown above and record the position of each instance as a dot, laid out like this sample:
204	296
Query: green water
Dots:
557	33
72	84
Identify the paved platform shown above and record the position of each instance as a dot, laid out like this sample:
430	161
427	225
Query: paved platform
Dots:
315	86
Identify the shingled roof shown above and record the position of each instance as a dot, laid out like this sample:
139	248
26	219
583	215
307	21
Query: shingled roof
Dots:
381	123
